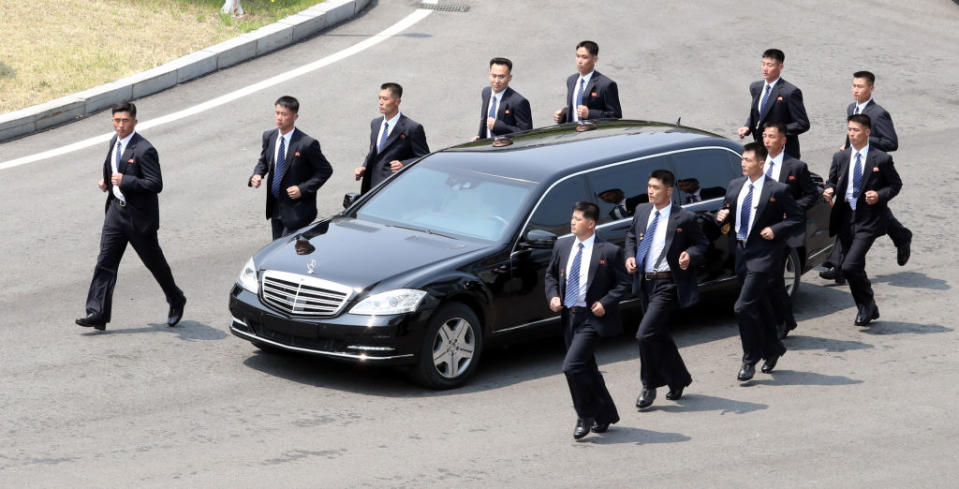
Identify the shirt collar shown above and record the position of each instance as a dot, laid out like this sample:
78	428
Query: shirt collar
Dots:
286	136
588	242
499	96
664	212
778	159
863	151
773	83
125	141
392	122
863	105
587	77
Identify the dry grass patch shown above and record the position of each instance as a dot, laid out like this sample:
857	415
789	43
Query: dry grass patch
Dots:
51	48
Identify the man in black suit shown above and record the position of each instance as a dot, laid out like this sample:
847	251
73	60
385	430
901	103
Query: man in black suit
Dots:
662	243
585	282
297	169
865	180
395	140
776	100
589	93
761	215
785	169
882	137
508	111
132	180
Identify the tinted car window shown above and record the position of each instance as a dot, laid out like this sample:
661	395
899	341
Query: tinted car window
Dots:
554	211
702	174
619	189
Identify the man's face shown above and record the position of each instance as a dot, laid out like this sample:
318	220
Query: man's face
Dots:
499	77
861	89
771	69
773	140
580	225
123	124
858	134
388	104
285	118
752	166
585	61
659	194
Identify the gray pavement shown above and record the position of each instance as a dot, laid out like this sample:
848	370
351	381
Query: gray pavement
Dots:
143	405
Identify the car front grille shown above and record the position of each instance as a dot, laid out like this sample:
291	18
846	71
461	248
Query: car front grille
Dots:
302	295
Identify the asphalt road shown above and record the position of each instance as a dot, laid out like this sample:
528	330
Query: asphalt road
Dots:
143	405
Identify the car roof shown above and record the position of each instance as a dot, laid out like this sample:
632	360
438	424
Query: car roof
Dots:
540	154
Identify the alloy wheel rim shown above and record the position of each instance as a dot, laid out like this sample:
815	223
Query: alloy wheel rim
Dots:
453	348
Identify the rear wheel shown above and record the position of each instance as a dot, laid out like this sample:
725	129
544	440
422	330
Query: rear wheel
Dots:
792	273
451	348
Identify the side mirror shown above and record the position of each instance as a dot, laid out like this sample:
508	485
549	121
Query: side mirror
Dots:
539	239
350	198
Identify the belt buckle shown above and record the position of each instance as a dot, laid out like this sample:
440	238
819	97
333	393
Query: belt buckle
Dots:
649	275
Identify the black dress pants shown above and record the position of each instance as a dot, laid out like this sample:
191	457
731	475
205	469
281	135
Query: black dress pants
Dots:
586	384
781	303
118	230
660	362
855	246
757	327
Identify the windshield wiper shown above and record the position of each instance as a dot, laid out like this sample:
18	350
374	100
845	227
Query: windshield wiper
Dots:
424	230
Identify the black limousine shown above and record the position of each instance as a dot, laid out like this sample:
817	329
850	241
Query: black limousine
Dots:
448	256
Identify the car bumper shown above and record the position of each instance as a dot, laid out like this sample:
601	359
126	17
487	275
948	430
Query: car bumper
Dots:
382	340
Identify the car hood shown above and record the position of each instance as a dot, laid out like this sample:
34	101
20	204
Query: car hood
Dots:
359	253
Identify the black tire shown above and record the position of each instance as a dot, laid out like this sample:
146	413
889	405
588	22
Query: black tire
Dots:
792	273
447	361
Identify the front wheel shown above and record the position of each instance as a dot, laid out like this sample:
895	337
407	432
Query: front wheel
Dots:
792	273
451	348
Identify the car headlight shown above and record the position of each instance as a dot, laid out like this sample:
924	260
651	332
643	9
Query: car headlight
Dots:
247	278
390	302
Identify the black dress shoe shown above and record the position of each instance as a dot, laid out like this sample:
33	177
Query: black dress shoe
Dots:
867	314
675	394
92	321
176	313
582	427
746	372
646	398
769	364
833	274
902	253
602	427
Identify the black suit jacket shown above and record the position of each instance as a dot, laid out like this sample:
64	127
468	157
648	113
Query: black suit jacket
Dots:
784	105
683	233
795	175
879	174
775	209
512	115
882	135
601	97
607	281
142	181
406	142
305	166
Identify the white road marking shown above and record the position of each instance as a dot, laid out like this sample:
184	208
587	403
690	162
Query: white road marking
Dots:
387	33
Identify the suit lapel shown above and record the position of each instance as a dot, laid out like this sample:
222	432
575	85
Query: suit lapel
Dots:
867	173
784	170
594	258
761	205
670	230
590	86
127	154
395	133
843	182
503	104
773	95
564	252
642	219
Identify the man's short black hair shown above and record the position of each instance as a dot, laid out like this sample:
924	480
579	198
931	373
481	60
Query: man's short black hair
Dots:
502	61
779	126
664	176
775	54
125	107
867	75
590	210
861	119
289	103
757	149
394	89
590	46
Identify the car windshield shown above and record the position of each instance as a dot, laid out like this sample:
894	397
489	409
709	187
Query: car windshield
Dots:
449	201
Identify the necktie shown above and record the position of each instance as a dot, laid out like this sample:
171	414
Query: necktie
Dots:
116	168
279	169
386	133
769	172
762	103
744	215
572	280
857	109
492	107
856	180
646	242
579	98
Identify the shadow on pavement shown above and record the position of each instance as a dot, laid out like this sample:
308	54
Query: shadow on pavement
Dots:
627	434
914	280
186	330
799	343
881	327
793	377
699	402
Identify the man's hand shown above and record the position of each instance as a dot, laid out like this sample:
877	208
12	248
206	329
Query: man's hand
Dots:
721	215
395	165
358	172
490	122
583	112
558	116
555	304
631	265
742	132
872	197
116	179
828	193
767	233
102	185
598	309
255	180
684	260
294	192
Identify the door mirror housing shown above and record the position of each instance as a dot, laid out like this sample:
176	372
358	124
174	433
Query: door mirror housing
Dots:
350	198
539	239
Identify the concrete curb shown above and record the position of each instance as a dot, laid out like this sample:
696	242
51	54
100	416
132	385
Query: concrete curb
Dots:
247	46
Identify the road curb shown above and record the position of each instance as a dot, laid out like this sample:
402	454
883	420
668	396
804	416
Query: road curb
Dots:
247	46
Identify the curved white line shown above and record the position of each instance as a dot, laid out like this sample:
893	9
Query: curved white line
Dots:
363	45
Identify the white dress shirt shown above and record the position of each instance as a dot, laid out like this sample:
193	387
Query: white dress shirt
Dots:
759	101
286	146
494	102
122	144
659	240
861	107
583	267
852	170
777	165
392	124
757	191
584	80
